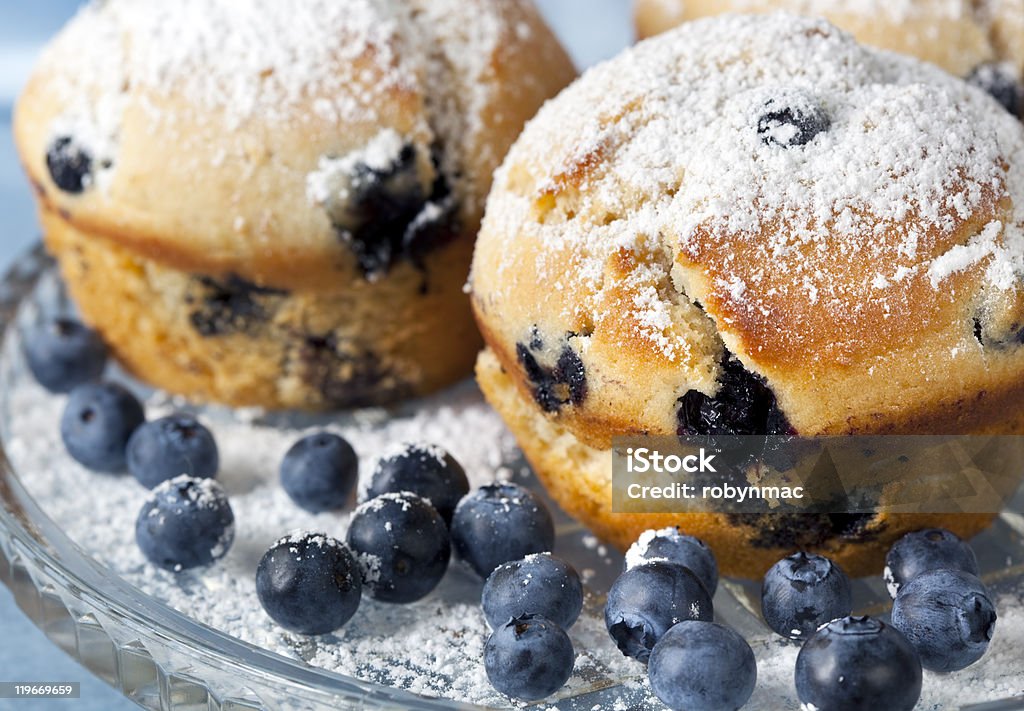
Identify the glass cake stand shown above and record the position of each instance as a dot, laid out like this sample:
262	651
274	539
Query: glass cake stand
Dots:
161	659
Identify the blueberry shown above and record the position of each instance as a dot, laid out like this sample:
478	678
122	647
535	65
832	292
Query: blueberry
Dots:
69	164
948	617
498	523
857	663
1000	81
529	658
185	523
320	472
98	420
347	374
793	120
928	549
805	530
802	592
309	583
743	405
676	547
539	584
402	545
569	369
555	387
645	601
702	666
171	446
232	305
382	201
423	469
63	353
388	214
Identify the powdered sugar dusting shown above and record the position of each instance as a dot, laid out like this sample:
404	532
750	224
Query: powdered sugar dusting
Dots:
421	447
961	257
654	320
203	493
377	503
676	145
637	553
238	56
897	11
305	537
333	178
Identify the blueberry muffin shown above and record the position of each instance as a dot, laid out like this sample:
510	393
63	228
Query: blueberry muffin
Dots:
274	204
753	224
982	40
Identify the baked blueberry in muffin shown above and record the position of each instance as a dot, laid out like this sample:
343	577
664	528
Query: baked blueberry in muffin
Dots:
70	166
562	383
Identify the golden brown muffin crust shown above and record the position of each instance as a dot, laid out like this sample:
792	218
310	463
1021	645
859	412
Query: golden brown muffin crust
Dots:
292	188
209	170
651	222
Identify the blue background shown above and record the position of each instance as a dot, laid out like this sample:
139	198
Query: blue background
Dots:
591	29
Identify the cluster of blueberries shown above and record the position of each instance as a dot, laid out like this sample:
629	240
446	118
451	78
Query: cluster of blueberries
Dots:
659	611
418	509
942	620
187	521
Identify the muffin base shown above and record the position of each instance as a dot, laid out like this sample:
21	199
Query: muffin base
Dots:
578	477
220	338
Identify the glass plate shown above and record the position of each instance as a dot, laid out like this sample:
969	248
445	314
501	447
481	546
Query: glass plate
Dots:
162	659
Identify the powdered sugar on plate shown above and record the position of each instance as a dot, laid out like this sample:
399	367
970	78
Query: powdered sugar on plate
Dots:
433	647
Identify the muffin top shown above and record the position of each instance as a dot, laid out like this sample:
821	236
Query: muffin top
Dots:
260	137
848	222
